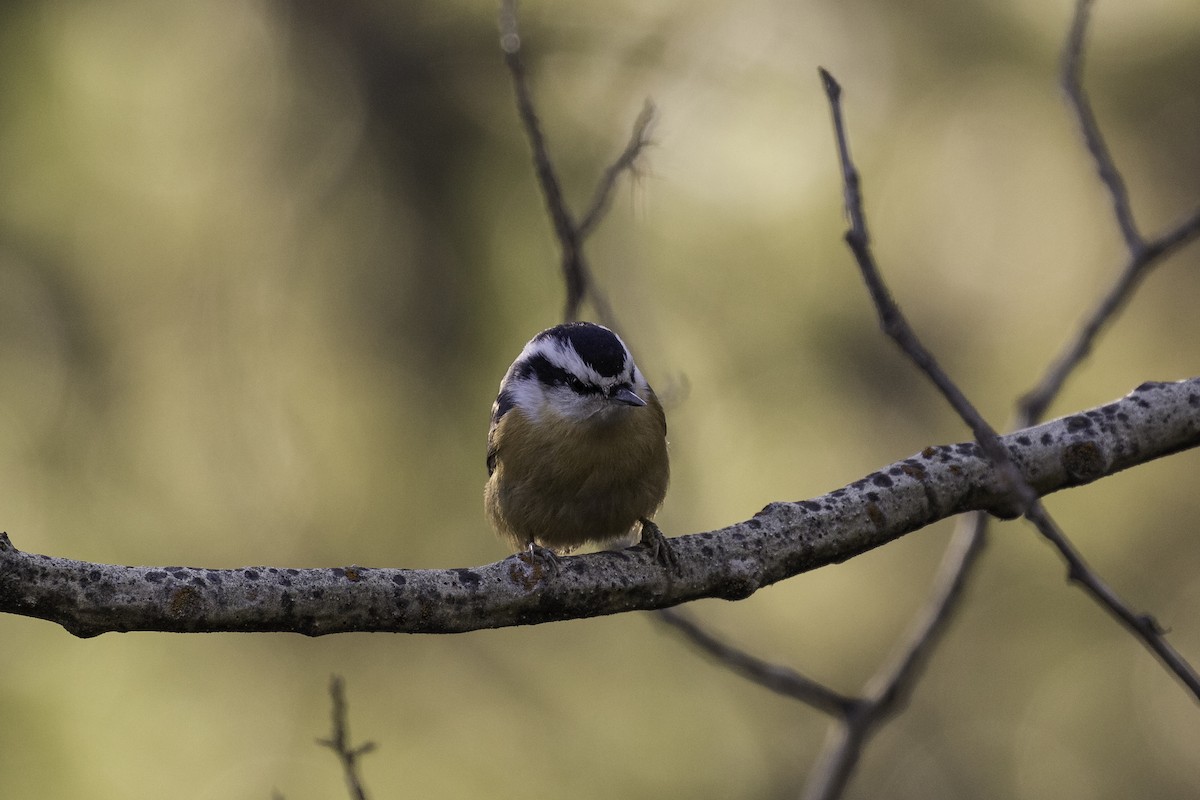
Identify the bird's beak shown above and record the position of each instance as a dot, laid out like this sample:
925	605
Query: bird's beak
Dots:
627	396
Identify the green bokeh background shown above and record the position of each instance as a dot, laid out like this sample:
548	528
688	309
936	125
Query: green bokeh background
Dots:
263	264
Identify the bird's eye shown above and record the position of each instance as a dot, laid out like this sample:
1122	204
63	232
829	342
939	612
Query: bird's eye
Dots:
577	384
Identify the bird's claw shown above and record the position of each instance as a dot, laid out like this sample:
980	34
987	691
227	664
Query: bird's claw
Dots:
660	548
536	556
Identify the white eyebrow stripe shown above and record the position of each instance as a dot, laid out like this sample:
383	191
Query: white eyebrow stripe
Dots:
563	355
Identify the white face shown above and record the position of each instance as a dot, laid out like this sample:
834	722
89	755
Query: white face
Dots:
551	374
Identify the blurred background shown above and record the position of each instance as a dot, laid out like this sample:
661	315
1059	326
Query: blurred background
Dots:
263	264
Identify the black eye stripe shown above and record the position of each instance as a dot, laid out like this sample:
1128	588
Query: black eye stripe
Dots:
552	375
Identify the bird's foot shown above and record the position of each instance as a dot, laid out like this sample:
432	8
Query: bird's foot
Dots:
660	548
537	556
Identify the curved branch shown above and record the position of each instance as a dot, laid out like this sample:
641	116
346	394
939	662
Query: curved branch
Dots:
782	540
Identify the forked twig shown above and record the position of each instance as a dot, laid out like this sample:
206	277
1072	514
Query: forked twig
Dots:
339	740
896	326
892	684
847	740
1143	255
577	274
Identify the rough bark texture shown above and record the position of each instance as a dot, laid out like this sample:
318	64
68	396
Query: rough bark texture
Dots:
782	540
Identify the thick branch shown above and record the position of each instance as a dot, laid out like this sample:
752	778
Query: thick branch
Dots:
783	540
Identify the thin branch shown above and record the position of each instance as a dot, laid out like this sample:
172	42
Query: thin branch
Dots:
1023	494
565	228
1072	80
846	740
1143	625
847	743
577	273
339	740
779	679
1034	404
892	320
891	686
782	540
638	141
888	691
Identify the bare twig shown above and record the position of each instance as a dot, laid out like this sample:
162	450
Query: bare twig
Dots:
638	141
1072	79
339	740
892	320
779	679
577	274
1143	625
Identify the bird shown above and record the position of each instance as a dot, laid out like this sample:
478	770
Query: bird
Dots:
577	448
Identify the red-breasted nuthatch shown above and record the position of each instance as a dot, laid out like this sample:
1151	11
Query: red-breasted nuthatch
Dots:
577	448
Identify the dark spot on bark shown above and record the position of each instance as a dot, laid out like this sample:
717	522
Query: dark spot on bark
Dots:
878	519
882	480
250	574
468	577
1024	441
1046	439
1083	461
185	603
156	576
1078	423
